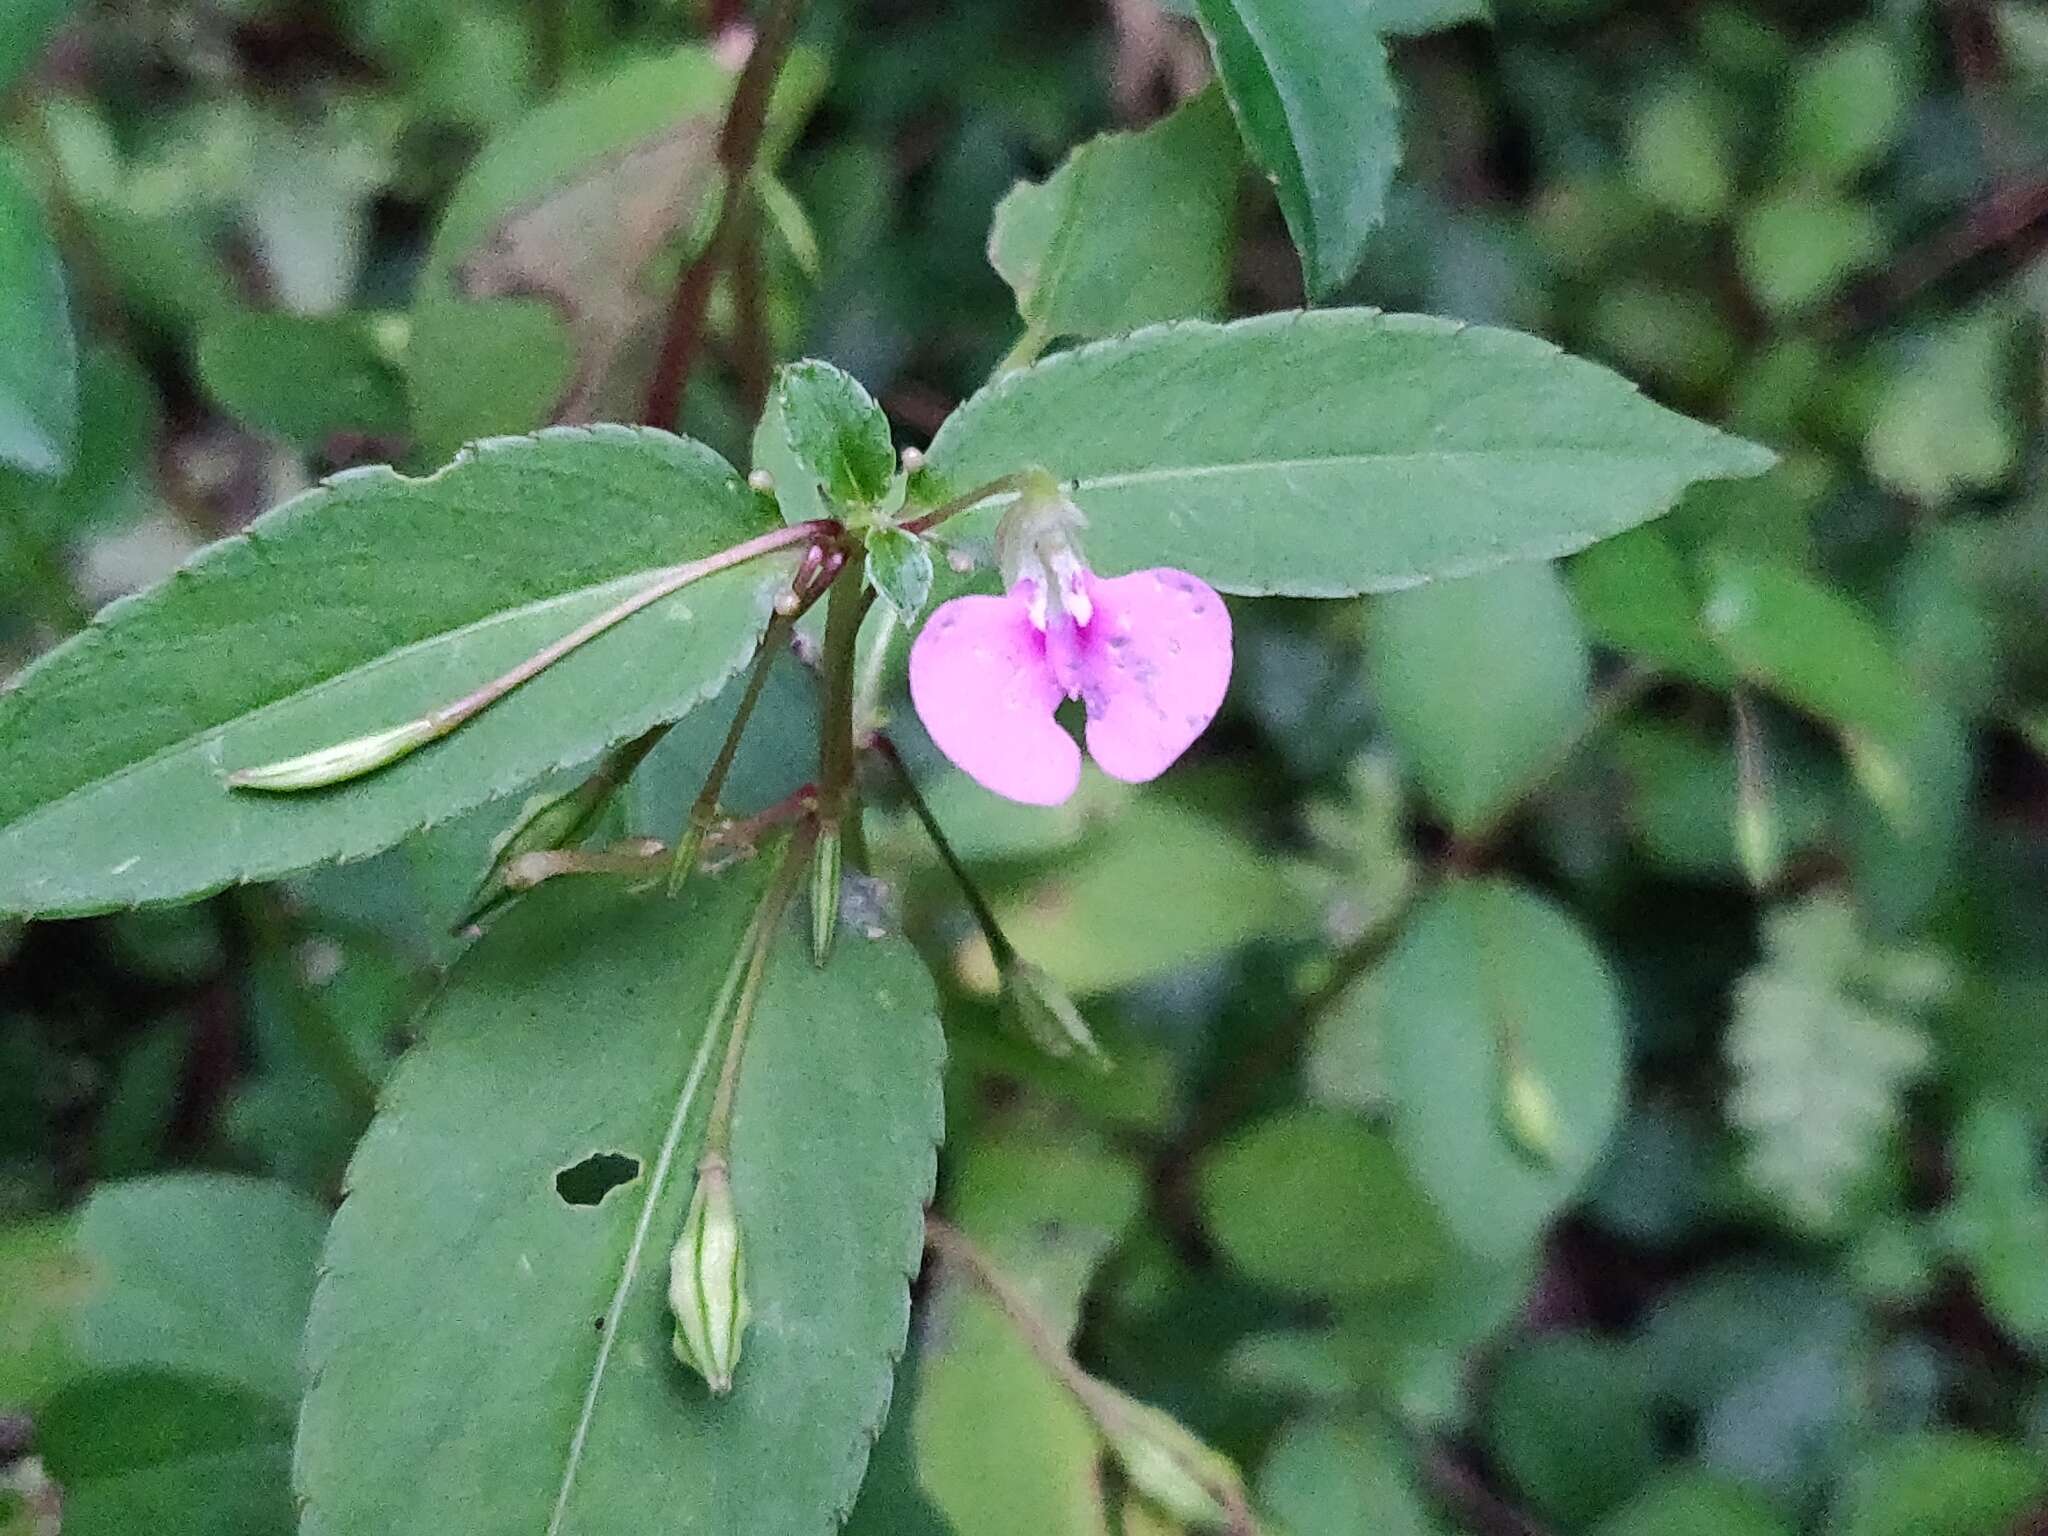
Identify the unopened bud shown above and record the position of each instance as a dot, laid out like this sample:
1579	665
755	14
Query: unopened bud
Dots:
1756	837
1877	767
1756	826
761	482
337	764
1528	1113
1168	1466
545	823
825	868
1039	1006
707	1288
913	460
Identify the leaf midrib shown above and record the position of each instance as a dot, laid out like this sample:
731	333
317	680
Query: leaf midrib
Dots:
657	1185
1450	456
197	739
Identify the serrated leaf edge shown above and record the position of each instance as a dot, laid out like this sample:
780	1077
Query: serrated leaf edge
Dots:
487	788
1722	455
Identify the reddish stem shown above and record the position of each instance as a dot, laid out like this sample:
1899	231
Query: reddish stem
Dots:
739	145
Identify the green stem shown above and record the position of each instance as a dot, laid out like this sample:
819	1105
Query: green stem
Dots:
1002	485
704	810
845	609
760	942
957	1248
1000	947
1026	352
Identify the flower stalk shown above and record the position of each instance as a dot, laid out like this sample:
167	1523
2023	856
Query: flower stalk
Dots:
707	1291
362	755
1165	1464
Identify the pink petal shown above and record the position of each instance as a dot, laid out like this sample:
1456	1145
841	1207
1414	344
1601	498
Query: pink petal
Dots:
980	681
1154	664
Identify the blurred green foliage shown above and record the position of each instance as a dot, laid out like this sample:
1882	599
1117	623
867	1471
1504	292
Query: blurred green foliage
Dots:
1580	1032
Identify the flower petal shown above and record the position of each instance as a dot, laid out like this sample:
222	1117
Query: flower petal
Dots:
980	681
1154	667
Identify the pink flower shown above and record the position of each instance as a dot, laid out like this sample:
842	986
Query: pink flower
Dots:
1148	656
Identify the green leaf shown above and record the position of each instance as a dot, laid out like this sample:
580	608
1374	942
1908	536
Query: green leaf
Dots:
1938	1484
892	1501
1692	1503
38	357
1341	1477
1799	246
302	377
1488	978
25	31
1002	1448
486	1356
288	638
1997	1223
1572	1422
1636	595
143	1099
1679	154
900	566
1318	1204
1315	101
1847	108
1819	1069
834	435
1811	646
1333	453
1945	424
199	1275
1163	887
479	364
1132	229
158	1452
44	1277
204	1275
105	486
1483	682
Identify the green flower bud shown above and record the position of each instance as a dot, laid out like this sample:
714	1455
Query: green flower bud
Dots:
1035	1003
1169	1467
1528	1113
337	764
707	1289
544	823
825	870
1756	836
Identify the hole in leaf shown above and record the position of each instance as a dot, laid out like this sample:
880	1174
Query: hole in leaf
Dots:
588	1182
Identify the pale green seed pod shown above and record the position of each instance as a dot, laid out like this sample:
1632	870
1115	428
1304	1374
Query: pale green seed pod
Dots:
1036	1004
707	1288
339	763
1168	1466
545	822
1529	1113
826	864
1756	836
